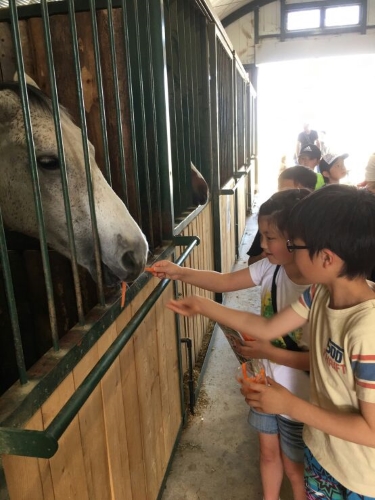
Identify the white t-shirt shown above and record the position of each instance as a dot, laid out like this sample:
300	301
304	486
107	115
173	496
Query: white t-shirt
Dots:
287	292
342	368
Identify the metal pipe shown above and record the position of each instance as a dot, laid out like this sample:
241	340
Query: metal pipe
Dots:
62	162
34	171
189	344
12	305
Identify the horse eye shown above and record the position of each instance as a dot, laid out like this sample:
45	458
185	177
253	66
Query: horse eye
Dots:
48	162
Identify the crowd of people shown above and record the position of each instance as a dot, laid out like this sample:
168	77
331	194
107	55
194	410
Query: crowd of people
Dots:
313	257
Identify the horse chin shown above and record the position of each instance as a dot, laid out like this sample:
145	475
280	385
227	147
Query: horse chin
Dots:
109	278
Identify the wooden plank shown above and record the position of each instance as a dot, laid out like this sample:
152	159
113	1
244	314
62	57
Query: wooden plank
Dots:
129	386
36	481
146	362
67	465
114	419
92	429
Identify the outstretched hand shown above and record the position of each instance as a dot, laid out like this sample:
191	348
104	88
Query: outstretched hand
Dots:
166	269
188	306
271	398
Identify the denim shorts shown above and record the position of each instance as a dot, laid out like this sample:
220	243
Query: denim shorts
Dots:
289	431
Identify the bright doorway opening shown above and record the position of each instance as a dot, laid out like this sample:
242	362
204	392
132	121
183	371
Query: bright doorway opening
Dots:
333	95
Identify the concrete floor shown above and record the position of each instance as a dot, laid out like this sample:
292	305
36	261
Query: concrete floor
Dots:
217	457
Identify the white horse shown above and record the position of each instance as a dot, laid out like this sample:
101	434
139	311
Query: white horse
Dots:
123	246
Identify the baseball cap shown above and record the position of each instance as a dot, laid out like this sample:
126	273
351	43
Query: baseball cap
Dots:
311	151
328	160
370	169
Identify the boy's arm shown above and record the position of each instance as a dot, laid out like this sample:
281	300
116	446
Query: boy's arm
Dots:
354	427
261	349
208	280
250	324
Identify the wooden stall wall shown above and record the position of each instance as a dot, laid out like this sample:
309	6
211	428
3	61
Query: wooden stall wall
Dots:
202	258
119	445
241	209
227	231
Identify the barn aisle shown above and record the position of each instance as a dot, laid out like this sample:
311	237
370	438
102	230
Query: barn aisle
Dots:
217	458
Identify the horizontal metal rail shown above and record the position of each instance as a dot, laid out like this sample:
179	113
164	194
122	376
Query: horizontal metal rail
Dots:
44	444
238	176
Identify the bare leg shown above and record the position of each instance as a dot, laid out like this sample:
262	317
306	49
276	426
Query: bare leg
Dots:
294	472
271	465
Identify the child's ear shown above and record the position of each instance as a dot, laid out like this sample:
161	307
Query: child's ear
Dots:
327	257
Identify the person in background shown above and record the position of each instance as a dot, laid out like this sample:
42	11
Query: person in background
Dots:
309	156
307	136
293	177
332	167
369	182
280	438
332	234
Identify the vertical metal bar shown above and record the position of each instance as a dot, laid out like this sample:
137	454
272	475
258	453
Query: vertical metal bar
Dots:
235	113
133	27
86	154
120	137
62	162
99	82
34	172
12	305
125	26
150	72
157	34
197	75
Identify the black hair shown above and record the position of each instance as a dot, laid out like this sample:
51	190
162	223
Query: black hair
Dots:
302	175
341	219
280	205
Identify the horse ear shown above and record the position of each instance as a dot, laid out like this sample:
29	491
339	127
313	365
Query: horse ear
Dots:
29	80
9	105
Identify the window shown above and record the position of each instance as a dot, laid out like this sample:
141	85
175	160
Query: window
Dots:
323	16
303	19
342	16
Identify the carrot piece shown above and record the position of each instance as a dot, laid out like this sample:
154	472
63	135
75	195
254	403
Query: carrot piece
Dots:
150	270
123	293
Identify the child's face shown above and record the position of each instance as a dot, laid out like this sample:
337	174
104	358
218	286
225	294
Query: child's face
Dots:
273	243
305	264
306	161
337	171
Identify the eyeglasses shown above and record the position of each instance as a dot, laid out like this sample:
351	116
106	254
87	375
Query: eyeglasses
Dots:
291	247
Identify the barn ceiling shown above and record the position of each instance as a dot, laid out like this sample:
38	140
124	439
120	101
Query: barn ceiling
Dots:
223	8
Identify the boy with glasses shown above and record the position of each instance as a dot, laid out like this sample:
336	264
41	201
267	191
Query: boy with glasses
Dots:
332	235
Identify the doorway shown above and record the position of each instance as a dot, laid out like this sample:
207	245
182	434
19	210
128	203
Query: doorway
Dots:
334	95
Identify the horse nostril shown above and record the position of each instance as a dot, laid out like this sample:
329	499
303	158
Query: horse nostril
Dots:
129	261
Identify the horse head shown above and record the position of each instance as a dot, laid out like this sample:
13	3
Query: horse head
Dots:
123	246
199	186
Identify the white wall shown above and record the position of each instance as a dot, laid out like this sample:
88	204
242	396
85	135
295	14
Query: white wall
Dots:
241	34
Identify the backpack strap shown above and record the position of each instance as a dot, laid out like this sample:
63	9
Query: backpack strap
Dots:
291	345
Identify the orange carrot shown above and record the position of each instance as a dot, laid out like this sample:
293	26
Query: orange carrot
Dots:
123	293
150	270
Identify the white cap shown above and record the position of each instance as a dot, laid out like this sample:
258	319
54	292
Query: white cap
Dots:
370	169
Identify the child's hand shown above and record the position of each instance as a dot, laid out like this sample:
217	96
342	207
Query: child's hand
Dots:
188	306
258	349
166	269
272	398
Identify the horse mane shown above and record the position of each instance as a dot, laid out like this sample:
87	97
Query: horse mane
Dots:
36	97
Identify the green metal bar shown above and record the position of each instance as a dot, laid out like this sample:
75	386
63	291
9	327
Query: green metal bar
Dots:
162	123
34	172
132	107
99	84
90	191
12	305
43	444
62	162
120	137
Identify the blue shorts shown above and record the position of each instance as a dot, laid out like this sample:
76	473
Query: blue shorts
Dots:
289	431
319	484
